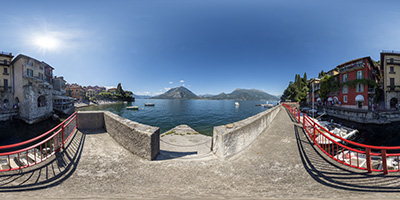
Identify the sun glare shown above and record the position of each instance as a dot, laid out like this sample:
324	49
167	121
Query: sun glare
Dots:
46	42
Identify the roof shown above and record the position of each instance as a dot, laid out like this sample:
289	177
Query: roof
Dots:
355	60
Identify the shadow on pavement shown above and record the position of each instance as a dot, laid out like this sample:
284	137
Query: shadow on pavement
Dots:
47	174
333	174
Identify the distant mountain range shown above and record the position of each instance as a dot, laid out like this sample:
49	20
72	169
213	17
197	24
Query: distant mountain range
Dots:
238	94
177	93
246	94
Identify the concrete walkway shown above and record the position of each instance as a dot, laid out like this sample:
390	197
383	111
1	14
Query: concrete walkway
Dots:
281	164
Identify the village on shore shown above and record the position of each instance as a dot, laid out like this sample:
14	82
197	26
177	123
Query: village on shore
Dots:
360	90
30	92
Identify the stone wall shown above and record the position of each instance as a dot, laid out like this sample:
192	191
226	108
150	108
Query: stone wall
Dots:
29	110
140	139
230	139
366	117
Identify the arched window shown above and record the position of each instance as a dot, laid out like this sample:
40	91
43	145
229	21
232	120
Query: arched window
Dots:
41	101
393	102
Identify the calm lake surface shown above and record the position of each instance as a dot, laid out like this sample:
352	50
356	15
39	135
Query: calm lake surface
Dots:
201	115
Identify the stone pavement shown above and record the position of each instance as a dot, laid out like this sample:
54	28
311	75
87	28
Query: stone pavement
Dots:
281	164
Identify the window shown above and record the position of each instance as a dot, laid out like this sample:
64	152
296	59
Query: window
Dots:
5	82
345	78
29	72
40	76
41	101
392	70
360	74
345	98
359	88
391	84
345	89
5	72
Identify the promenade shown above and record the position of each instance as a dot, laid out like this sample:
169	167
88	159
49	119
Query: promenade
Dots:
281	164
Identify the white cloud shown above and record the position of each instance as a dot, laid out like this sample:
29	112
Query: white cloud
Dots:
171	82
167	88
181	81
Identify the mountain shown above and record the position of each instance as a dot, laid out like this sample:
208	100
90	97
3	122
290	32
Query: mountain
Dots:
246	94
141	96
177	93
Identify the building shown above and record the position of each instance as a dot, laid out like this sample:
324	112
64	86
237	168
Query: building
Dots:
314	90
112	90
59	84
32	88
332	96
7	102
357	78
91	93
390	66
76	91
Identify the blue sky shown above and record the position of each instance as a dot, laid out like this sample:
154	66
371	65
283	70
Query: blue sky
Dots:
208	46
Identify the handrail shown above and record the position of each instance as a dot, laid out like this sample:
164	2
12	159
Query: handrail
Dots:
337	147
41	150
35	138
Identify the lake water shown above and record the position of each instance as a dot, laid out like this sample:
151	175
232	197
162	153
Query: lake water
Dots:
201	115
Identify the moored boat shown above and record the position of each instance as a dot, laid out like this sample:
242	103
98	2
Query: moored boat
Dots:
149	104
132	108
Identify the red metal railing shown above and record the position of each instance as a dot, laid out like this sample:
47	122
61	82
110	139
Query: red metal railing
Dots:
38	149
353	154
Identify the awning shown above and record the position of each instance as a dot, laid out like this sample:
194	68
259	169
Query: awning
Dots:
359	97
330	99
318	99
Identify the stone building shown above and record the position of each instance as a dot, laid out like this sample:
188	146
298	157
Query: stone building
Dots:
32	82
390	65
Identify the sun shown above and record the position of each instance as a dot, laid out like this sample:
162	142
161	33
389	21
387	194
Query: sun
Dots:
46	42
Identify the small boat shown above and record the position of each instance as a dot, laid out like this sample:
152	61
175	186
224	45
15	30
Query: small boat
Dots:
236	103
149	104
132	108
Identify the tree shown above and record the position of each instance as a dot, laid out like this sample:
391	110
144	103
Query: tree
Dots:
120	90
297	90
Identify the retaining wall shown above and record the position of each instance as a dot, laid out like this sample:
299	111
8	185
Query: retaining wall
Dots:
140	139
366	117
230	139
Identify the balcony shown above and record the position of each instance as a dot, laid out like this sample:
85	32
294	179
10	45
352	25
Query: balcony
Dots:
5	62
393	61
5	88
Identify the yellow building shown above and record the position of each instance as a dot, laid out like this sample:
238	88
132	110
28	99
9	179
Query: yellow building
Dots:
6	97
390	64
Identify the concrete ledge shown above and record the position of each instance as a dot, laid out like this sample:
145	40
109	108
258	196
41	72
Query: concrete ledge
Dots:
140	139
230	139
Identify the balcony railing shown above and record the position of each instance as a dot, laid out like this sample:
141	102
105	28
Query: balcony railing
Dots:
5	53
390	51
5	88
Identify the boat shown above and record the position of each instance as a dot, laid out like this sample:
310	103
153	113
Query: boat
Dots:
335	128
149	104
236	103
132	108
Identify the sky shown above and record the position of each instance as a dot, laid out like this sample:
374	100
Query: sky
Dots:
208	46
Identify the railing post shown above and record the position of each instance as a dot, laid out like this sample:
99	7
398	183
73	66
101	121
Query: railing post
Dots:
62	134
384	161
368	155
299	116
314	133
304	122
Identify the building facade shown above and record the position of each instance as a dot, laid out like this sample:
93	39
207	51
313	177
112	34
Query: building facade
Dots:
390	66
355	78
6	96
77	92
32	88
